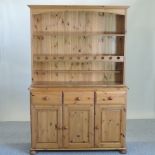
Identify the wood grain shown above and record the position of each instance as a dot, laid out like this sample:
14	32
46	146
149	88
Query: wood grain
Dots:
87	38
78	92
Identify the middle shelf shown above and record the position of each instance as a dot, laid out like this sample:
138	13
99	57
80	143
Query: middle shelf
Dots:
82	57
83	33
82	71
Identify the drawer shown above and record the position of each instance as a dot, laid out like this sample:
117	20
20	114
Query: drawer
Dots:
112	97
79	97
46	98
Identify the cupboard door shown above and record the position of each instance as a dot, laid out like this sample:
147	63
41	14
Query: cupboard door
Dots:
78	126
46	127
109	126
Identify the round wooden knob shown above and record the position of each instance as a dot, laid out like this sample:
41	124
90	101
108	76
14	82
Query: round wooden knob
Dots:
109	98
77	98
45	98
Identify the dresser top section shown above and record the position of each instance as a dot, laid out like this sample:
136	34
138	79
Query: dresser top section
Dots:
95	8
78	6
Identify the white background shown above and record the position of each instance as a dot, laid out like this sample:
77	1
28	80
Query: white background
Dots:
15	65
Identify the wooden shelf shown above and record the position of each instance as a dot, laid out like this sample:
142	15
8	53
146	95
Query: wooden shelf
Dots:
48	58
77	84
46	71
85	33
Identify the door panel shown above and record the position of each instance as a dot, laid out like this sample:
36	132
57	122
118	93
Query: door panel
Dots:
47	121
109	126
47	126
78	126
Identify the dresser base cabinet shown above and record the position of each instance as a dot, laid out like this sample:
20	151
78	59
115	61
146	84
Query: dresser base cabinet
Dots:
78	119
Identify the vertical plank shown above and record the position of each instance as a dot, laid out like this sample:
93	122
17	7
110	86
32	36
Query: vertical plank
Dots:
123	126
65	125
36	22
33	126
124	65
120	41
42	126
81	21
74	36
61	21
45	22
88	21
74	21
100	21
97	126
85	120
82	28
52	124
60	125
61	27
95	45
60	37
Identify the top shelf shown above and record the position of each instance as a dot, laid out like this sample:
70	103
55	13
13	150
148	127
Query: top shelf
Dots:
79	6
38	33
37	9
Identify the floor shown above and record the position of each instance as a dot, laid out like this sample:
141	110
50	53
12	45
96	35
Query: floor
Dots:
15	139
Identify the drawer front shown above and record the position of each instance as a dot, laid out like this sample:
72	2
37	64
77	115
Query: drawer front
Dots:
46	98
79	97
113	97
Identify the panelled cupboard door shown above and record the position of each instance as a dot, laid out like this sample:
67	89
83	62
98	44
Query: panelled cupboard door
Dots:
109	126
78	126
46	127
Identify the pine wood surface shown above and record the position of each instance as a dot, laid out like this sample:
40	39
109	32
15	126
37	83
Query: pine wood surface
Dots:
87	37
78	91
